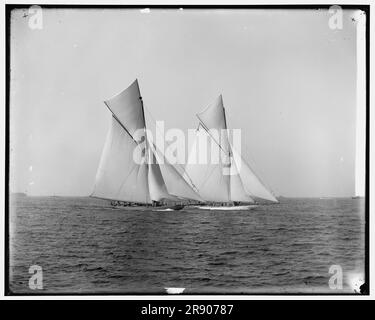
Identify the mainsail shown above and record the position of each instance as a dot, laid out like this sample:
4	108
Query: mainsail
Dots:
129	169
119	177
205	168
229	179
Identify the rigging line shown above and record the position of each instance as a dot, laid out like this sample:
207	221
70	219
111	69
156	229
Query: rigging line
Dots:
159	130
214	167
225	152
148	149
173	168
226	180
120	123
150	153
148	195
208	131
144	121
212	170
178	164
229	153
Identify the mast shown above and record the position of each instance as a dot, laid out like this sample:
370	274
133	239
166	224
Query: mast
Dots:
146	142
173	183
208	177
229	152
120	177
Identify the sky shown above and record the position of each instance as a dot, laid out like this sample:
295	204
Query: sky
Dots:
288	82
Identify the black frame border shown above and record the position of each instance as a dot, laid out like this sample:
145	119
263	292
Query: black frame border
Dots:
10	7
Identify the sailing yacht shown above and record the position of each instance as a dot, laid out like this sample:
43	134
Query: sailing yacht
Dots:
145	181
229	183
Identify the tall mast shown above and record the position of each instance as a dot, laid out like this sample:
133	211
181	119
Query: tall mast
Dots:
147	146
229	152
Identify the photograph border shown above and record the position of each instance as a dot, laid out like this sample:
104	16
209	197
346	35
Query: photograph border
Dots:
10	7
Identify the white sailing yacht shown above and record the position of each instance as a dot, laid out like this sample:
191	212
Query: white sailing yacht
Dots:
229	183
139	182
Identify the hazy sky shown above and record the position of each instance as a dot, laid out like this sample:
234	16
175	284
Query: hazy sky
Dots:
288	81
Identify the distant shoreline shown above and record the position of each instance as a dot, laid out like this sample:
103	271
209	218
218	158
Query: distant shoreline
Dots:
280	198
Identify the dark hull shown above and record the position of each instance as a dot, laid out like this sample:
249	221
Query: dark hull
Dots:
156	208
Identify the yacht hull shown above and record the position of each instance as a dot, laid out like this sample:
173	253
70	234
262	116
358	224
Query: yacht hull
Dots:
150	208
229	208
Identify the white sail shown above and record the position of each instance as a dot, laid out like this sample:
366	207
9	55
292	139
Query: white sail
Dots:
212	183
176	185
211	176
128	109
250	181
119	177
237	191
157	187
207	177
213	118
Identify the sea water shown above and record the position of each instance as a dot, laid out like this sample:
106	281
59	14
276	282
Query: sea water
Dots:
83	245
